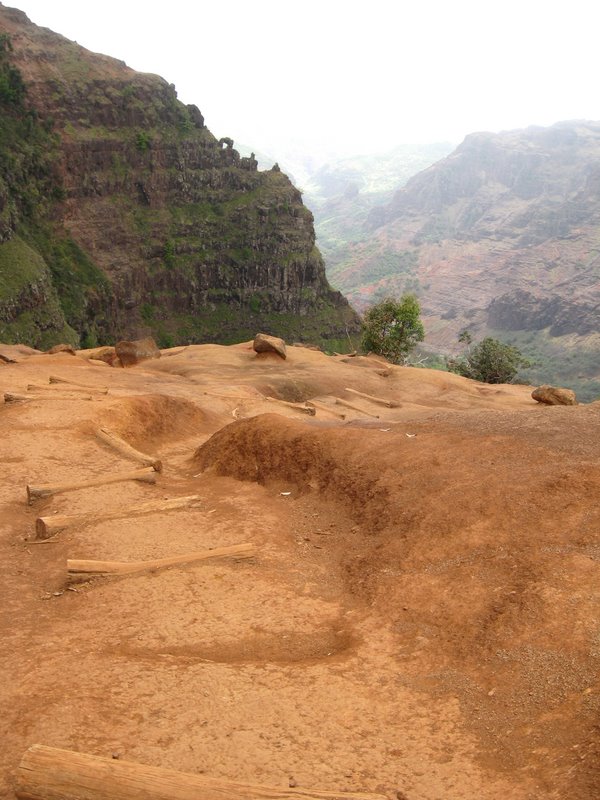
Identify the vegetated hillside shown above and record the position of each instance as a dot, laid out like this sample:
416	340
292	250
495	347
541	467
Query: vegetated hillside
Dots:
501	237
122	215
342	192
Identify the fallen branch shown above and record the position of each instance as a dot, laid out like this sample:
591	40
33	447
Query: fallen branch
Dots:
110	438
145	475
324	407
379	400
83	569
234	396
45	527
304	409
346	404
46	773
57	379
35	387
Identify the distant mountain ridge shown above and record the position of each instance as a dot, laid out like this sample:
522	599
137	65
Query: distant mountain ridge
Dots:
501	237
122	215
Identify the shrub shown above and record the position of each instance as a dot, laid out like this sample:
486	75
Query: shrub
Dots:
393	327
490	361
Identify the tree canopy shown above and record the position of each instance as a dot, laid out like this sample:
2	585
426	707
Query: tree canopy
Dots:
393	327
489	361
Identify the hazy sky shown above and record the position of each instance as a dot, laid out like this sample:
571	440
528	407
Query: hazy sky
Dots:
347	77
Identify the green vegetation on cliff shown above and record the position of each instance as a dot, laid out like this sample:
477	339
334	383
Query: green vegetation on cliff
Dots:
27	150
146	224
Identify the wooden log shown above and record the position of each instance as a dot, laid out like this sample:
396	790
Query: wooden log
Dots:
147	475
77	568
346	404
56	379
325	407
47	773
379	400
36	387
15	397
110	438
304	409
45	527
234	396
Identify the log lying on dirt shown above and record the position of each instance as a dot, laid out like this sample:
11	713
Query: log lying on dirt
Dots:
121	446
379	400
147	475
296	406
360	410
45	527
70	389
46	773
325	407
84	569
57	379
15	397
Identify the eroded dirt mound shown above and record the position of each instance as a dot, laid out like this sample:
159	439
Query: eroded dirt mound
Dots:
476	551
152	419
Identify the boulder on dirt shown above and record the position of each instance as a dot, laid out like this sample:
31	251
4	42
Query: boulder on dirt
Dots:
106	354
133	352
62	348
263	343
554	396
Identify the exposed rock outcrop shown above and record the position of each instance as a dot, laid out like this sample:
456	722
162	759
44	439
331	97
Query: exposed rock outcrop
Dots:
499	237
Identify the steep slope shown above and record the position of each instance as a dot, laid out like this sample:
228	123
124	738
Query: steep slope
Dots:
342	192
152	225
501	237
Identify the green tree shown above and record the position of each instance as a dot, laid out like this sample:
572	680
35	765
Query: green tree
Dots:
393	327
489	361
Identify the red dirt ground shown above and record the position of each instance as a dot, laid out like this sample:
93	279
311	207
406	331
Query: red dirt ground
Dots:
422	616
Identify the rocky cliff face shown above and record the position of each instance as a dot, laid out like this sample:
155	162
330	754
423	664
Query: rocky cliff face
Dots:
151	224
501	237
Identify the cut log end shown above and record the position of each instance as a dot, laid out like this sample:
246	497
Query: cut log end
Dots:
42	528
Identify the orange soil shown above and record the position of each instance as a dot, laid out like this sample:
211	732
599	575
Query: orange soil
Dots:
421	619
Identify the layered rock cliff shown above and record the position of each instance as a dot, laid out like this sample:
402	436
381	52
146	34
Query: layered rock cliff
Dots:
501	237
128	217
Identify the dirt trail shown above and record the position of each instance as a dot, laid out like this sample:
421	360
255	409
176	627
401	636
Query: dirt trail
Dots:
421	619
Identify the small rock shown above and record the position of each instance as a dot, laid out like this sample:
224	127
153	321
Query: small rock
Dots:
61	348
116	755
292	783
131	353
554	396
263	343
